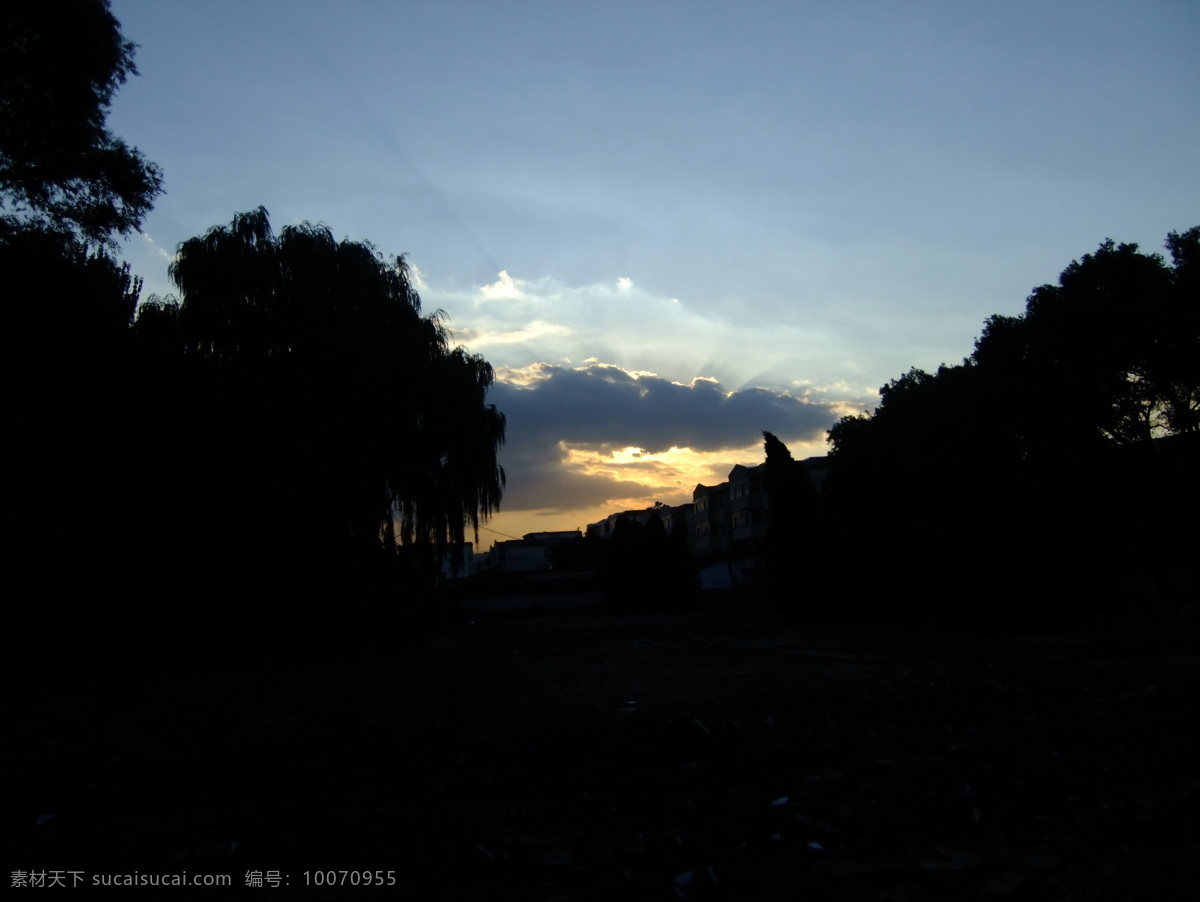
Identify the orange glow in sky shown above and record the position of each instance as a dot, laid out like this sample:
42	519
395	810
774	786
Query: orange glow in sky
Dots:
669	477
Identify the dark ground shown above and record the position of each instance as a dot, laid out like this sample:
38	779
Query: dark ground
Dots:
584	756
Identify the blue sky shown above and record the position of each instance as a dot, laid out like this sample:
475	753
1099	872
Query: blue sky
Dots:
671	225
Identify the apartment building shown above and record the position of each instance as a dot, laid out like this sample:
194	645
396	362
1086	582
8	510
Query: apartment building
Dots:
732	518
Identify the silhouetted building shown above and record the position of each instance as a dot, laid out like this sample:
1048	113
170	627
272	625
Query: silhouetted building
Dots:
603	529
536	551
710	506
725	523
749	513
731	519
679	516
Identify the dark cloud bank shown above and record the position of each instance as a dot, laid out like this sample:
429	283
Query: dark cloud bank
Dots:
604	407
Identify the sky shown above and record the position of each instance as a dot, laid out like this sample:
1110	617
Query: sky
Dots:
672	225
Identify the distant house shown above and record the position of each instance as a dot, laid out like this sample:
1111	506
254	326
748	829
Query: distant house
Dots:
539	570
603	529
535	552
679	516
725	523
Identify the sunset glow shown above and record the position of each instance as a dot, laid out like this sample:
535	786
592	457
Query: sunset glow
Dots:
670	226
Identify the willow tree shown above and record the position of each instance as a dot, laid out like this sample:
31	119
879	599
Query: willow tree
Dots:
337	417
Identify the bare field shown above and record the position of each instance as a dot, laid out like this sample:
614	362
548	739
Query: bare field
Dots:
715	755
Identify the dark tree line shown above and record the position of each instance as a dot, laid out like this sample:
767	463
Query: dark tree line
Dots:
1054	464
643	567
238	463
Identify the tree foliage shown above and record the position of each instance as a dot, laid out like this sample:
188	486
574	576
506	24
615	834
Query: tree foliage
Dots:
794	528
1006	467
66	375
253	451
645	568
61	62
72	429
1110	354
342	421
1110	351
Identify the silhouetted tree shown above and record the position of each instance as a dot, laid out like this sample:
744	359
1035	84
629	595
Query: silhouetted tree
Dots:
644	569
626	563
681	577
66	378
331	418
990	485
61	62
1177	375
792	529
72	427
1109	354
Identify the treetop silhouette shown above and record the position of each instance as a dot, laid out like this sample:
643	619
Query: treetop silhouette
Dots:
60	167
351	402
1029	475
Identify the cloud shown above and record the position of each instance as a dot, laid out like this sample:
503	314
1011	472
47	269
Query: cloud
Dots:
418	276
602	405
618	395
156	248
535	330
582	436
517	322
504	288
